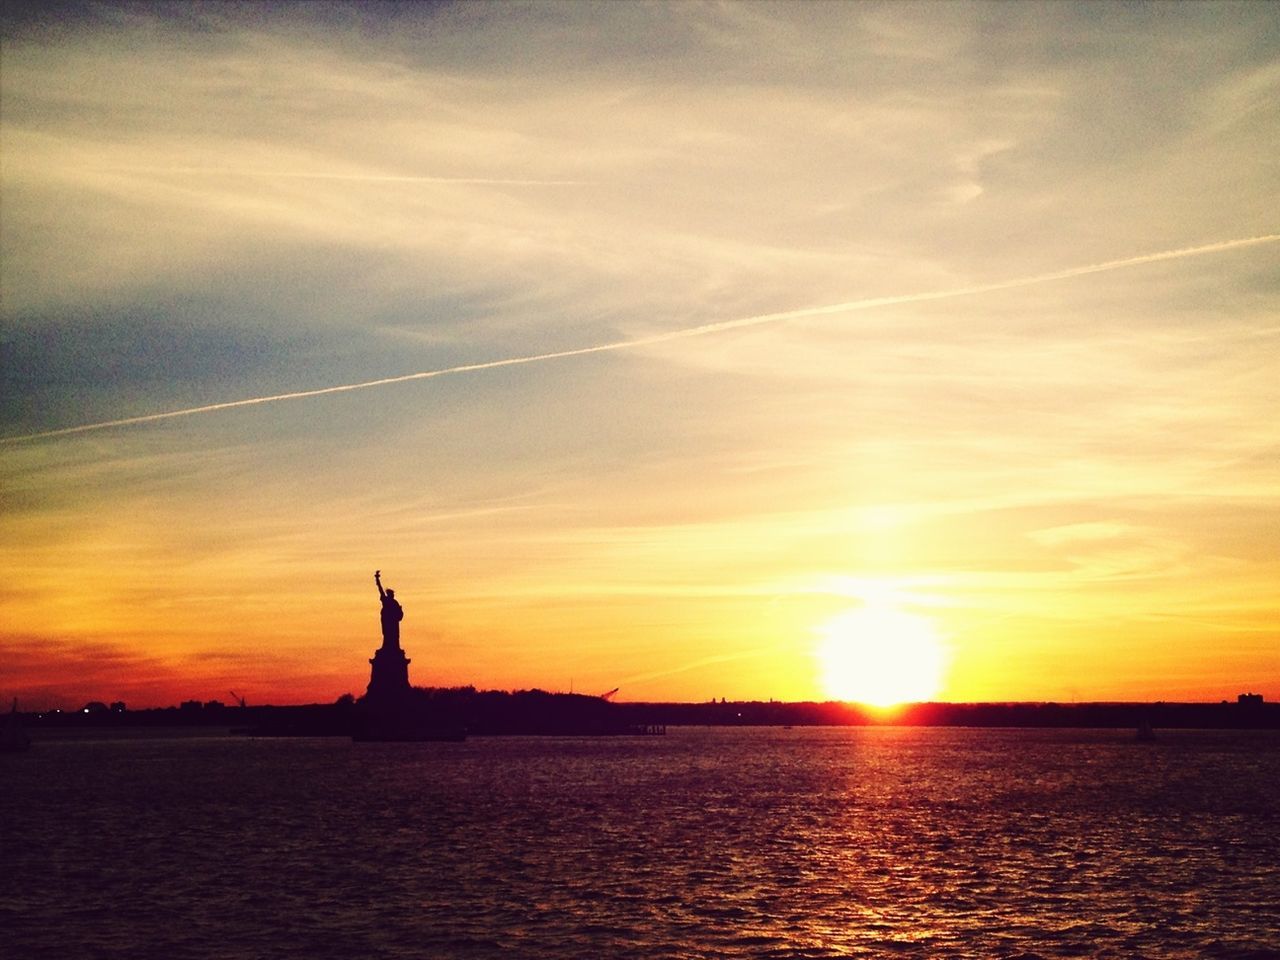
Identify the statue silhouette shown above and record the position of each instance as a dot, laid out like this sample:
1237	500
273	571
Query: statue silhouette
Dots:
389	676
392	614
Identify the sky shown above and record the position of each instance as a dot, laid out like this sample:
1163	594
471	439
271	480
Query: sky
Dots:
745	323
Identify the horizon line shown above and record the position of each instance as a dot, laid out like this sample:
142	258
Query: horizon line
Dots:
873	707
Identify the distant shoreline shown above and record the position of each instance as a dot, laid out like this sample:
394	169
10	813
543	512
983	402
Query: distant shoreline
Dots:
537	712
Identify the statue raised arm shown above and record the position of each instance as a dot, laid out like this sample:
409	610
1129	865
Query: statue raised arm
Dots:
377	578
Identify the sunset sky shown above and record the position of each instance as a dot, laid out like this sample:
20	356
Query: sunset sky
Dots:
1068	478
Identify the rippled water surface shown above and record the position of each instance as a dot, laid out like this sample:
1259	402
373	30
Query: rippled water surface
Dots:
704	843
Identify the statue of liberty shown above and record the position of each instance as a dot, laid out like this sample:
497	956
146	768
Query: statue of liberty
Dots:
392	614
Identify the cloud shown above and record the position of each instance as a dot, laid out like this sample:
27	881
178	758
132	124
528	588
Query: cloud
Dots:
1075	532
84	670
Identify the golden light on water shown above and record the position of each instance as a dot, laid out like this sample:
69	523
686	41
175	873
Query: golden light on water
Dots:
880	655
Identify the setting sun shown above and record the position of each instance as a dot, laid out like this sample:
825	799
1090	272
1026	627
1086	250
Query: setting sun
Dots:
880	655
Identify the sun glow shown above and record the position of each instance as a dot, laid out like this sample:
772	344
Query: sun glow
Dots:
880	655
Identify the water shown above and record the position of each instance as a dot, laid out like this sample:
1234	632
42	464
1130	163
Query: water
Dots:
705	843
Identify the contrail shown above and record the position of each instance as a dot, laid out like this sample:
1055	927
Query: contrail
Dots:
698	331
354	177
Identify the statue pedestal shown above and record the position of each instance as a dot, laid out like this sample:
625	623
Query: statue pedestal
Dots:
389	679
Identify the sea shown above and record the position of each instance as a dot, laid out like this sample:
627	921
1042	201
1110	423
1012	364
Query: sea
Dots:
706	842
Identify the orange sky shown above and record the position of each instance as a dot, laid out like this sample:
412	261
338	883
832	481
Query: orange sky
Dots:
852	362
